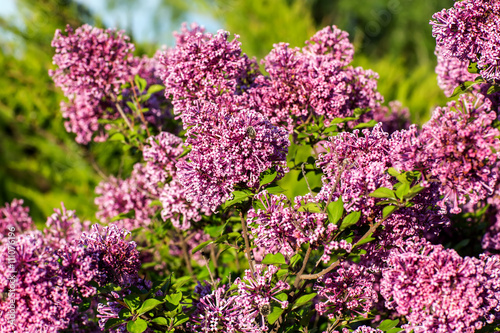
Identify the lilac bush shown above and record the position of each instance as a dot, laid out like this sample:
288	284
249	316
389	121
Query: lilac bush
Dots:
290	200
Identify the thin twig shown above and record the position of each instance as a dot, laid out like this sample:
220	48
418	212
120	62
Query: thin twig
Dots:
185	254
306	259
247	243
139	109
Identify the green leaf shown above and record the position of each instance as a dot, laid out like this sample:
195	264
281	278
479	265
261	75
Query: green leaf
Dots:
274	315
492	90
342	120
403	190
473	68
137	326
350	219
113	321
238	196
160	321
281	296
303	300
175	299
388	324
395	330
335	210
364	241
295	259
133	301
180	319
310	207
271	259
202	246
268	178
149	305
388	211
128	215
274	190
371	123
140	83
155	88
117	136
382	192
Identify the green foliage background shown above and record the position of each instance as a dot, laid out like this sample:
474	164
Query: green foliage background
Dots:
41	163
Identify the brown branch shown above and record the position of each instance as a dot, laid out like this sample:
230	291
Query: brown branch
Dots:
247	243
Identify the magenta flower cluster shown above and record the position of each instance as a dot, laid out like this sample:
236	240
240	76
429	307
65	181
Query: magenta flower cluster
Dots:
469	32
439	291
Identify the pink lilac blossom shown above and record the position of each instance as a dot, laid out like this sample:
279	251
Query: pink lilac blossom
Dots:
218	311
439	291
16	216
280	227
469	32
63	227
45	290
92	65
177	209
451	72
203	66
459	148
122	196
348	291
331	42
394	117
118	258
161	153
312	82
257	291
361	163
232	147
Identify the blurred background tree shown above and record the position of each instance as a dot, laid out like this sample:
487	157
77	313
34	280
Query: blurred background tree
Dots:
41	163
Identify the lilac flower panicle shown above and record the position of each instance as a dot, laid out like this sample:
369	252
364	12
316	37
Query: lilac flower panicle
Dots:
394	117
224	155
331	42
439	291
451	72
63	227
348	291
15	215
122	196
459	148
161	153
118	258
469	32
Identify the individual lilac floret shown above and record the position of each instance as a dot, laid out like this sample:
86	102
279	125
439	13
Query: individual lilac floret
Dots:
122	196
451	72
203	66
161	153
346	292
458	147
218	311
177	209
469	32
439	291
331	42
14	215
118	258
233	147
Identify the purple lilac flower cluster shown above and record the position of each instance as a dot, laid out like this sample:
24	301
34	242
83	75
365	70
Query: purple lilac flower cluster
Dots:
469	32
15	215
346	292
122	196
54	272
230	147
459	148
315	81
280	227
93	64
439	291
118	258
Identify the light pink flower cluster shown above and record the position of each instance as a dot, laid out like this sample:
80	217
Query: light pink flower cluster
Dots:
15	215
468	31
439	291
